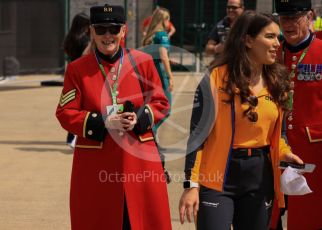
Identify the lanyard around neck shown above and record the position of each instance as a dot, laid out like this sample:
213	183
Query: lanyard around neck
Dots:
112	89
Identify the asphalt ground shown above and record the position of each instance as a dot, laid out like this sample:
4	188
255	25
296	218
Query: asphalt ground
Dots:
35	162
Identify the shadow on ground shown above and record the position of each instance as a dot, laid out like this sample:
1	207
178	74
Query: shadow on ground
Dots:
16	87
51	150
25	146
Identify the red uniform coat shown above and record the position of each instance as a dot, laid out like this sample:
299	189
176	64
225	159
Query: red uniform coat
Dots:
108	167
304	133
318	34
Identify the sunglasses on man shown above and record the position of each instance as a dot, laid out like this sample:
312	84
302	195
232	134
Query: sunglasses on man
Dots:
103	29
232	7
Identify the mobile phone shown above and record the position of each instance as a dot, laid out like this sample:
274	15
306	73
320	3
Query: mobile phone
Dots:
299	167
128	106
285	164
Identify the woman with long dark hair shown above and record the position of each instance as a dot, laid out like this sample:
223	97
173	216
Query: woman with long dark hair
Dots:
232	175
77	38
76	44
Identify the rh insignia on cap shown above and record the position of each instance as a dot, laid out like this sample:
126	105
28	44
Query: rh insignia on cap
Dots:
107	14
108	9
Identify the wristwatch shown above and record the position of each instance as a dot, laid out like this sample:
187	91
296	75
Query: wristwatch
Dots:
190	184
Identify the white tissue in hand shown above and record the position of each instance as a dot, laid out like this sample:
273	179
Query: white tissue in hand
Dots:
294	183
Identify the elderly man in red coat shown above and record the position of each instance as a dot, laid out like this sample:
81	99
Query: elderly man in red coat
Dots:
111	99
302	54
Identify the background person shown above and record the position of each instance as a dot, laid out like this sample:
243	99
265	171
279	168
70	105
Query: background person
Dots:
115	152
76	44
170	28
318	23
215	44
157	43
236	167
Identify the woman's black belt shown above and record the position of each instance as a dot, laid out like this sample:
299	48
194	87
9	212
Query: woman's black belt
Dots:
240	152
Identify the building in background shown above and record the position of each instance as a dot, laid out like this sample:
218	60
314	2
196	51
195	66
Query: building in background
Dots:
32	31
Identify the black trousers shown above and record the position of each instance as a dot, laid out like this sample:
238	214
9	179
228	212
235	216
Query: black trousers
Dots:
247	199
70	138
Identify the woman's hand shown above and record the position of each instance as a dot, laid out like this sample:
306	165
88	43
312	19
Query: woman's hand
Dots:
189	204
170	88
290	157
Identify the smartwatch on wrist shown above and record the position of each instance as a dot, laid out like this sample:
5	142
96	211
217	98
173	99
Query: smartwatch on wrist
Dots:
190	184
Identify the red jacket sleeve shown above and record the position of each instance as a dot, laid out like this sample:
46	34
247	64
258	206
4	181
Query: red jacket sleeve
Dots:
70	114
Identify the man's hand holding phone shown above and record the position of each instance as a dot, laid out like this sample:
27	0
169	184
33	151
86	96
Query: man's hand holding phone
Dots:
128	115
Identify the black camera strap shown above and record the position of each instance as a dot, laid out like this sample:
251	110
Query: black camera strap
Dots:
138	75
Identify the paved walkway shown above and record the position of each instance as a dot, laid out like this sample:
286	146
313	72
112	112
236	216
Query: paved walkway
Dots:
35	163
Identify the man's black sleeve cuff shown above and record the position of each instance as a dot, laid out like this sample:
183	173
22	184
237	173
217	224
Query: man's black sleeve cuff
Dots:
144	122
95	127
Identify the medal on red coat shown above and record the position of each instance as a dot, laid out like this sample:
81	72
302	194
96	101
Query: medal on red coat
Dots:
292	74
